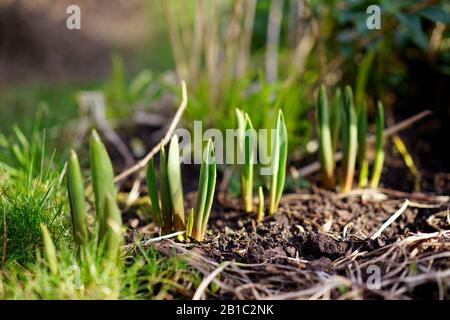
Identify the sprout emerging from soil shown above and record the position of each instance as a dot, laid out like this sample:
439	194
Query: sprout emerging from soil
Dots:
76	200
260	204
169	209
175	185
349	140
171	213
278	162
246	146
363	164
205	195
102	178
379	153
325	142
108	214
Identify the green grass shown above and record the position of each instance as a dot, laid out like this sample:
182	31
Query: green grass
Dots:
30	194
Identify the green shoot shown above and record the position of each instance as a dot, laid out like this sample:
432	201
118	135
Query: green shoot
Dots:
206	188
379	152
246	145
175	185
190	223
166	206
325	143
278	162
152	191
350	141
363	163
112	238
76	199
260	204
49	250
102	176
335	119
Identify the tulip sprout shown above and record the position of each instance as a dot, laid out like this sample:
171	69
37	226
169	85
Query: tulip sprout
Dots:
246	147
108	214
260	204
171	212
278	163
349	140
354	140
325	142
379	153
205	194
76	200
363	164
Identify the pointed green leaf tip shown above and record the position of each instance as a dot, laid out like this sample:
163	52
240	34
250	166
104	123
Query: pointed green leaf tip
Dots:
205	195
49	249
76	199
102	175
175	185
278	162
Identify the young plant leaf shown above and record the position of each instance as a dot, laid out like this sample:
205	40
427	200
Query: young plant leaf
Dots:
212	173
76	199
102	176
205	194
166	207
278	162
153	192
363	163
379	152
260	204
190	223
325	142
176	185
112	237
350	141
249	156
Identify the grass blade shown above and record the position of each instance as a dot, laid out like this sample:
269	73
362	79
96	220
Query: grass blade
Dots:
76	200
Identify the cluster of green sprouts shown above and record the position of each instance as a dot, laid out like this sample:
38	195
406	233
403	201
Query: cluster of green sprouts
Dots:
247	146
100	245
108	217
169	206
353	126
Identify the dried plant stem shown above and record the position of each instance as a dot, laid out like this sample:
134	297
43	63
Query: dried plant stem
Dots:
142	164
